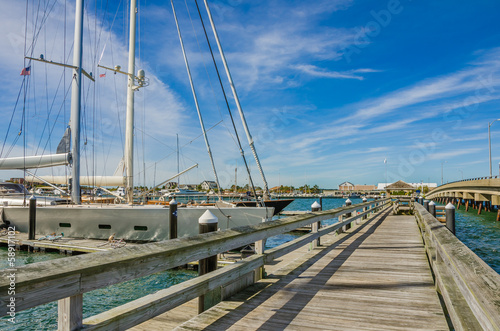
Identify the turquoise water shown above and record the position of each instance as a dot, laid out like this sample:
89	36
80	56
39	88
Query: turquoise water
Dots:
480	233
45	317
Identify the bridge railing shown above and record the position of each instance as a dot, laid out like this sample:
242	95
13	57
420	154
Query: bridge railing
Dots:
66	279
469	287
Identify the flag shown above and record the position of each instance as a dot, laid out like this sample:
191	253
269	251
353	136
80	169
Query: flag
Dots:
26	71
385	160
102	75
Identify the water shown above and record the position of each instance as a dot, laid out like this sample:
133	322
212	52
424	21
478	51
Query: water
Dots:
45	317
480	233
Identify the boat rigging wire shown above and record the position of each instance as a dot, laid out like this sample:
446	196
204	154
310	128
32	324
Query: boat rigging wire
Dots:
227	103
196	100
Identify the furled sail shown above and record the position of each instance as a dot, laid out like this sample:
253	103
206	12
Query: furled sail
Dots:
64	144
84	180
38	161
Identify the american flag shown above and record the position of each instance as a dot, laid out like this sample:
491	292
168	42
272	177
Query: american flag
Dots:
26	71
102	75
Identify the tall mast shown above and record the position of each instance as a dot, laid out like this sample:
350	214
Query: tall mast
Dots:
76	94
129	122
237	100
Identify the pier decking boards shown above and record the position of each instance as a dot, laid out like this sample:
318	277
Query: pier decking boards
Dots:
376	277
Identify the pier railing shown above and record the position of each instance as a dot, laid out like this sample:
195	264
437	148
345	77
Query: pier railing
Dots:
469	287
66	279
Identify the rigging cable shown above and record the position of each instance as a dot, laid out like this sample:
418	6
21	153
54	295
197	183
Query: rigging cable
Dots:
196	100
227	103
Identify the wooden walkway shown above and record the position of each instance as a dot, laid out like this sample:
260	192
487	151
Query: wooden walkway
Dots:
376	277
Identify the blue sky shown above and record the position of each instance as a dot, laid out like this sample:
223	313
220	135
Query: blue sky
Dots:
330	89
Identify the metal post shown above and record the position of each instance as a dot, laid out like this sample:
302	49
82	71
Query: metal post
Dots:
426	204
432	208
173	219
316	225
208	222
32	215
450	217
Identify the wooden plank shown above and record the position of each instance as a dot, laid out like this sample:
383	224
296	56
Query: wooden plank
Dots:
374	277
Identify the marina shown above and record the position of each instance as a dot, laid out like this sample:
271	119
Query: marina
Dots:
290	269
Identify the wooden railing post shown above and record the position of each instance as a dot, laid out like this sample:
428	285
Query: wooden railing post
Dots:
348	202
259	249
208	222
70	313
315	226
365	208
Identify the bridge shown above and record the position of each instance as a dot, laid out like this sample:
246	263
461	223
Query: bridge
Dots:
372	270
480	193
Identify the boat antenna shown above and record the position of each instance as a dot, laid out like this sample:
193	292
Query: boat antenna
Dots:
196	101
238	105
228	108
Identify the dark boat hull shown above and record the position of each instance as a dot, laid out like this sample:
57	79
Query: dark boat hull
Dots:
278	205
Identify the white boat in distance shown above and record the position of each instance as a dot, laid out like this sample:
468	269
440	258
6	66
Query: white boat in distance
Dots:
99	221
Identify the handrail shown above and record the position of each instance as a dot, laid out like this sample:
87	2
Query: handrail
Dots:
48	281
470	288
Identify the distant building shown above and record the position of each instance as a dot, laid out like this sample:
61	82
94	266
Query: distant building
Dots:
382	186
208	185
348	186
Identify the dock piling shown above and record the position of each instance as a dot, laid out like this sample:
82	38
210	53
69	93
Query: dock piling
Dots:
32	219
173	219
426	204
432	208
208	222
450	217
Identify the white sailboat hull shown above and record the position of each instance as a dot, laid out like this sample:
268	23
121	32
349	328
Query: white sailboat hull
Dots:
141	223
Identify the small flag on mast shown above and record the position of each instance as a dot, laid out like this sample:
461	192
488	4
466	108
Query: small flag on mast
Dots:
385	160
102	75
26	71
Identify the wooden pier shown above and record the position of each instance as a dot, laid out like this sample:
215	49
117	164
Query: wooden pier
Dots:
372	270
374	277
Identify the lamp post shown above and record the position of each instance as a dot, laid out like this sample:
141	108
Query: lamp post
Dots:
461	173
489	139
442	162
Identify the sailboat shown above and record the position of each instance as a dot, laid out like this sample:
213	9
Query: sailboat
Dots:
129	221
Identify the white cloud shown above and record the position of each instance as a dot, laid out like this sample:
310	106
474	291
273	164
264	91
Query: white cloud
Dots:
322	73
